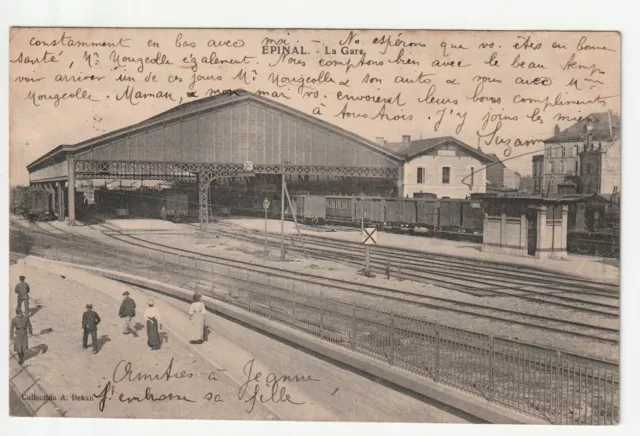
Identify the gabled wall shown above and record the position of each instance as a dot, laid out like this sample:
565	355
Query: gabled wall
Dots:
247	131
460	164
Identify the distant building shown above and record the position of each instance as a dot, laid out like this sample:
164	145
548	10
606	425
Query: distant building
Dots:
600	168
566	188
538	173
500	177
562	152
445	166
526	184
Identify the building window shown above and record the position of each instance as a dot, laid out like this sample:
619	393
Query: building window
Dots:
562	165
563	152
420	175
588	171
576	150
551	168
549	152
472	173
446	173
575	168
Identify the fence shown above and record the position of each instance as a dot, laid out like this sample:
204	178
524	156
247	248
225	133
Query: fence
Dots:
561	388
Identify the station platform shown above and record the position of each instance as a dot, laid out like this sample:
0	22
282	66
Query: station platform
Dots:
587	267
220	366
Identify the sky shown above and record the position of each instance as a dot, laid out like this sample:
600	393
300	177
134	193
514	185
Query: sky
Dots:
447	83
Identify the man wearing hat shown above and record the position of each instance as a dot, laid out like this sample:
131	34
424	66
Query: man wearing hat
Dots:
22	289
90	321
20	325
127	311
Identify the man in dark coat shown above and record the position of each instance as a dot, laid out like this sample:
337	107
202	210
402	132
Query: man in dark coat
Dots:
127	311
22	289
90	321
20	325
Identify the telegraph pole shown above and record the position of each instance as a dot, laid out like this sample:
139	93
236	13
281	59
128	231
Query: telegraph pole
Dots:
282	218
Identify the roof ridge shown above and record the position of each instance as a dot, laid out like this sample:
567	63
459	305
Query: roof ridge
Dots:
173	114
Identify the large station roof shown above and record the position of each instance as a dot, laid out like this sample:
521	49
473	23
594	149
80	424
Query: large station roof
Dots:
212	104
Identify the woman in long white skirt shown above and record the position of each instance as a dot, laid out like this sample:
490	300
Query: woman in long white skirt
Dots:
197	311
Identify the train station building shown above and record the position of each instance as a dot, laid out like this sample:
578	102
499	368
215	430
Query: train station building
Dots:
240	147
234	135
445	167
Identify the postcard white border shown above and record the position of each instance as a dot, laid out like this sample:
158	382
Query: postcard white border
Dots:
416	14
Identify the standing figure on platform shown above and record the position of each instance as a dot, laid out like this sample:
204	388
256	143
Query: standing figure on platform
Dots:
163	213
90	321
197	311
22	289
151	317
127	312
20	325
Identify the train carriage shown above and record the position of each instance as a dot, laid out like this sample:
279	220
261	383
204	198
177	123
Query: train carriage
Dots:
400	213
373	209
340	209
310	208
427	213
472	217
176	206
449	214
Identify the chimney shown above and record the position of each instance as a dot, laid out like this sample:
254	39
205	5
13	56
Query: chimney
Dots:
556	130
588	145
406	139
381	141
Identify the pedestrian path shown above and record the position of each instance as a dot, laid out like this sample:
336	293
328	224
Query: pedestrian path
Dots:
217	369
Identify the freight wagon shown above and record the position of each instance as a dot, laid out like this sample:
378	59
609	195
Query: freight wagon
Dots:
310	209
400	214
369	210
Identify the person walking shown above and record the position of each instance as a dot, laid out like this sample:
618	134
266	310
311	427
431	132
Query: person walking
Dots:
197	310
22	289
151	317
90	321
127	312
20	326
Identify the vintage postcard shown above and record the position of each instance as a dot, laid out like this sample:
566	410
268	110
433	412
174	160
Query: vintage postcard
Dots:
315	225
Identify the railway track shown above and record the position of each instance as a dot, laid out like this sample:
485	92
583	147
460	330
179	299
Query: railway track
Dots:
473	282
454	306
600	333
595	332
539	275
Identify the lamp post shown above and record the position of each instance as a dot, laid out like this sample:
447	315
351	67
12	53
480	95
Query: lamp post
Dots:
265	205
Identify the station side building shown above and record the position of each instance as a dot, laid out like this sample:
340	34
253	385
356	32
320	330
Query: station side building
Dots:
444	166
